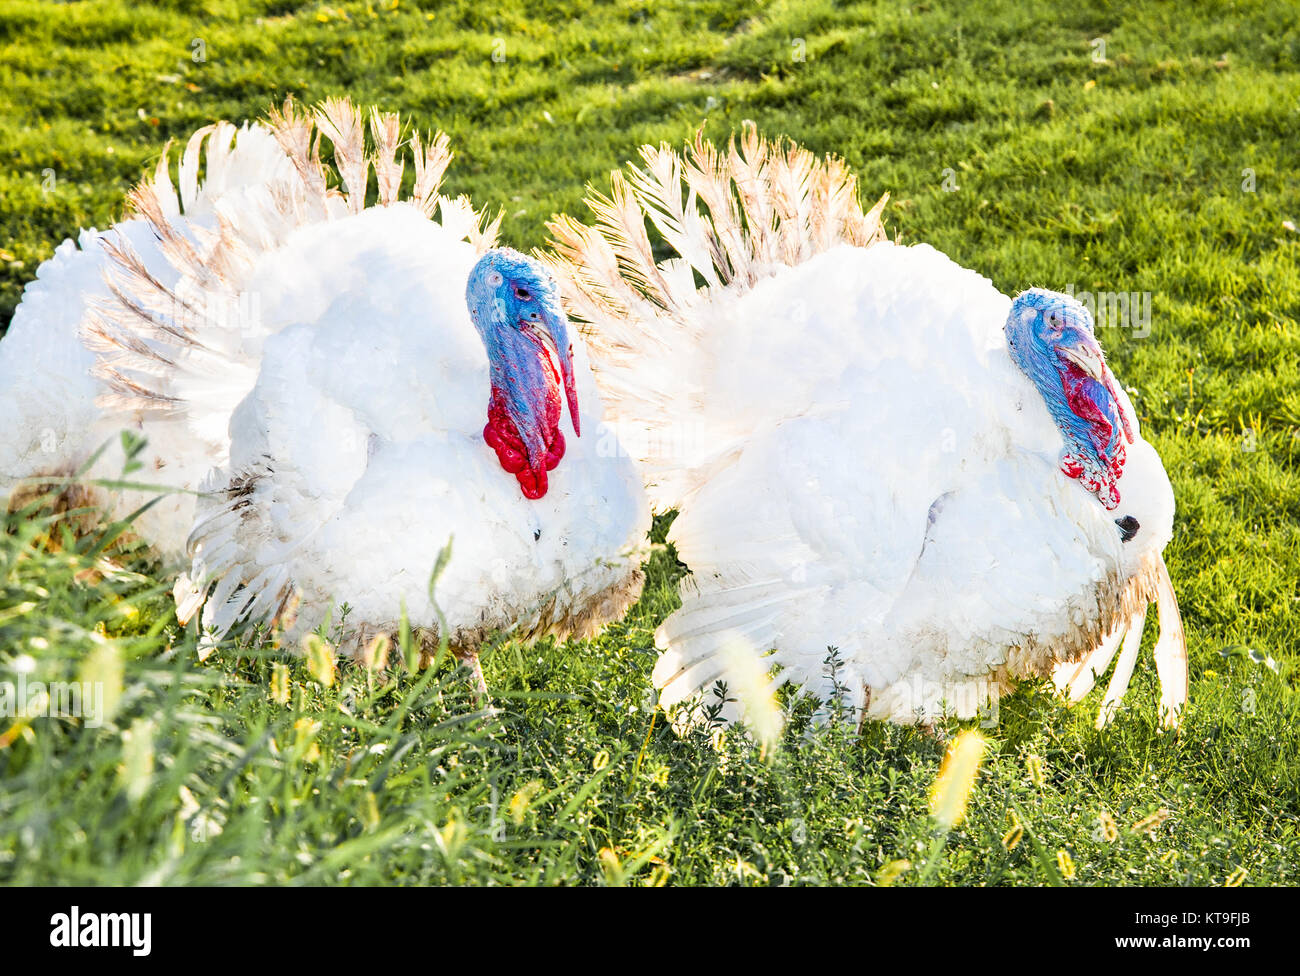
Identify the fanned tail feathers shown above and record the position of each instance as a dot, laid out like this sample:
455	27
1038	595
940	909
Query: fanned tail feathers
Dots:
154	341
730	219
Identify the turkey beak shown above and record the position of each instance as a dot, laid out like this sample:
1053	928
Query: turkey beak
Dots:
1087	355
555	335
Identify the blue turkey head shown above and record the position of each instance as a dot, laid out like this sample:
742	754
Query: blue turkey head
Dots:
515	305
1050	337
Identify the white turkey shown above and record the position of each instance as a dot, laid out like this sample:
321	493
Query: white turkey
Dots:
337	363
871	448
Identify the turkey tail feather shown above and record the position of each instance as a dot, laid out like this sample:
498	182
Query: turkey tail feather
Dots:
1123	670
167	348
1170	650
243	589
730	219
1075	679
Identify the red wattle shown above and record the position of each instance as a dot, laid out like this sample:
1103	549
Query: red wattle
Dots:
1083	406
503	437
1074	381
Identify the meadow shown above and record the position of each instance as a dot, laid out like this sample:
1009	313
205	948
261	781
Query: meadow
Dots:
1140	148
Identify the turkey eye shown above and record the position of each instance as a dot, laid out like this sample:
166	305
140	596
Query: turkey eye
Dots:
522	293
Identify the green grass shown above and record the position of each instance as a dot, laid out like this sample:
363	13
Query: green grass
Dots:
1125	175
